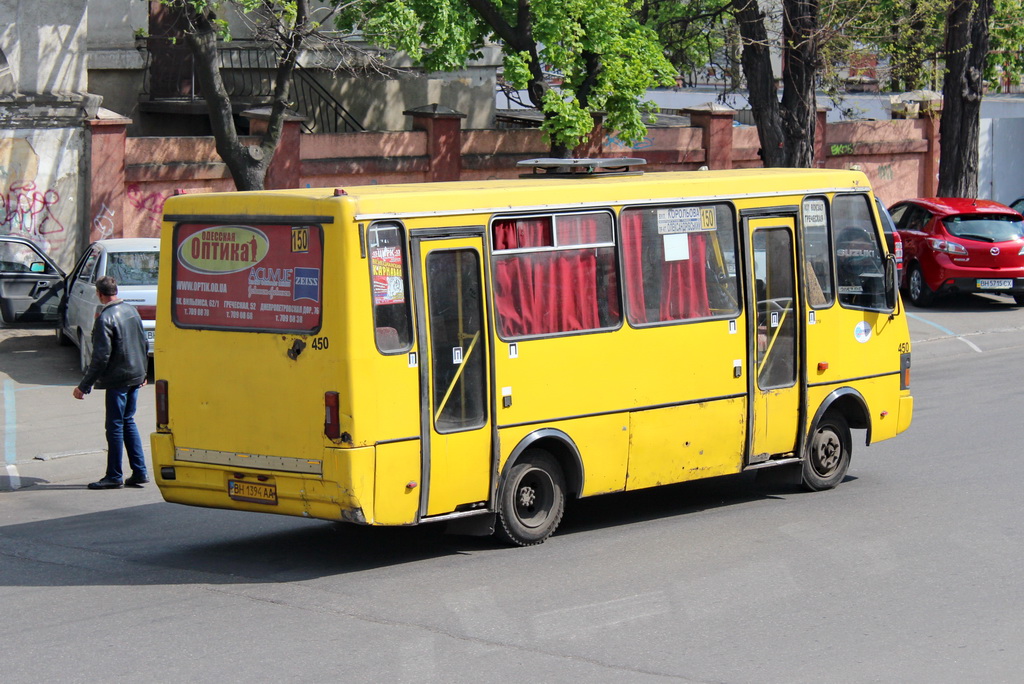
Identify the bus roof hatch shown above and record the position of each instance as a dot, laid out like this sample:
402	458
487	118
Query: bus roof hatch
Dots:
616	166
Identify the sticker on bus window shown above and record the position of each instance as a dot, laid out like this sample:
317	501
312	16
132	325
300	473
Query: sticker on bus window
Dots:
388	279
814	214
265	277
687	220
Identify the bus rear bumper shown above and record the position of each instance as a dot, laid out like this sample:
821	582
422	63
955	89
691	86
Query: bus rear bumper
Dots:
342	491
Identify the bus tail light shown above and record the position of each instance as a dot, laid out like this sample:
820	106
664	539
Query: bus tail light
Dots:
162	412
332	420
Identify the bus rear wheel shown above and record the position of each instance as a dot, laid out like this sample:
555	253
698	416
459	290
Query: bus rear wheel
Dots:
828	453
532	499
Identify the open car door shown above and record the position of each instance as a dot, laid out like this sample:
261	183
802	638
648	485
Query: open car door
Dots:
31	284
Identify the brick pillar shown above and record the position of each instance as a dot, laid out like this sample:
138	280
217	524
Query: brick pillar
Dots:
107	135
820	136
443	127
715	121
286	167
930	169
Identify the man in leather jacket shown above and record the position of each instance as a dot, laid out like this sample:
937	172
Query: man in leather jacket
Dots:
120	356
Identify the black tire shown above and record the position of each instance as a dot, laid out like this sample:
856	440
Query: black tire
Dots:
827	457
920	294
532	499
1019	299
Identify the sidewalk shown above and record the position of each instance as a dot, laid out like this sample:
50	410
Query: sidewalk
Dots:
46	435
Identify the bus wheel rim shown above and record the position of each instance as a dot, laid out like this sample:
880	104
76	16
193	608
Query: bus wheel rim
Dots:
827	452
534	498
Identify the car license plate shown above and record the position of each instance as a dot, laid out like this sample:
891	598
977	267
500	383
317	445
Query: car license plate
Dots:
150	335
1000	284
254	492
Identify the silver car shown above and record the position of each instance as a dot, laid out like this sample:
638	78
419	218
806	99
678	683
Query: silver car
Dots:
134	263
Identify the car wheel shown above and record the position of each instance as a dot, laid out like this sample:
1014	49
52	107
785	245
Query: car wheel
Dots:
84	357
532	499
920	293
1019	298
828	453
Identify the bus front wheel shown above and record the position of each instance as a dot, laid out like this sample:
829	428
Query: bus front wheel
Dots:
828	453
532	499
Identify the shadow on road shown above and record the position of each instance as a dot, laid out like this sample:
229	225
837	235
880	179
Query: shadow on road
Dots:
33	358
169	544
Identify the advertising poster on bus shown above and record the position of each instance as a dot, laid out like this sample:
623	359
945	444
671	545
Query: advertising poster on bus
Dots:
262	277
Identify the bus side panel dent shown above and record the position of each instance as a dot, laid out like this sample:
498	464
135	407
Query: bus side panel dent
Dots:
686	442
396	493
353	470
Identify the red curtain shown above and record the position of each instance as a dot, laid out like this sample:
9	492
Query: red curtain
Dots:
546	292
684	289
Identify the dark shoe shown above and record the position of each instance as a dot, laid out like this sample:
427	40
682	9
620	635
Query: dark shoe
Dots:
136	481
105	484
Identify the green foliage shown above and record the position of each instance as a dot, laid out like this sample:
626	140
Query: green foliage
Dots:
1006	42
605	59
696	34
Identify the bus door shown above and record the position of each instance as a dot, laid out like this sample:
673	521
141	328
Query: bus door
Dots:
775	366
455	387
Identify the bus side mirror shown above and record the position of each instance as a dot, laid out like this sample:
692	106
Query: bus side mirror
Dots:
891	283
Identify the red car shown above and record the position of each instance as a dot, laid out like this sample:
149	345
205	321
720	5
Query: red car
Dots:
953	245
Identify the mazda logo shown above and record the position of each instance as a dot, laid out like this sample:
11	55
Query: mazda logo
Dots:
994	251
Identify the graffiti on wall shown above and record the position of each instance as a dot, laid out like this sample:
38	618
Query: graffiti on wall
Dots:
150	208
39	179
28	210
612	142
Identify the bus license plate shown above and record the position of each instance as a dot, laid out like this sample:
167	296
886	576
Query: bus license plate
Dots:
1001	284
254	492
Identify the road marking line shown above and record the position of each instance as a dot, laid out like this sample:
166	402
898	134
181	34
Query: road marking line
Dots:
10	422
945	330
12	480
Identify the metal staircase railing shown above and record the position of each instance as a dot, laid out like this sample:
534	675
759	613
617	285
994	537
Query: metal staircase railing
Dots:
248	72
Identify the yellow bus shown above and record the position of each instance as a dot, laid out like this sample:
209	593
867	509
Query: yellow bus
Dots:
480	352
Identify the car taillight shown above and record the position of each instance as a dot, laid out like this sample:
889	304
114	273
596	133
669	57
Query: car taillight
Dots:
162	413
147	313
947	246
332	420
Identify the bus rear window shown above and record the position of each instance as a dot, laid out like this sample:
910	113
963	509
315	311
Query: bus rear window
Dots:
241	277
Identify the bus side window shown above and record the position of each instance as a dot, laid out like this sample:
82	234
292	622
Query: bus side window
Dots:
389	278
860	269
555	274
679	263
817	253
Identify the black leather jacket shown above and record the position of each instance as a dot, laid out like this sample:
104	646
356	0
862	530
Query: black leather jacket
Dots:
120	354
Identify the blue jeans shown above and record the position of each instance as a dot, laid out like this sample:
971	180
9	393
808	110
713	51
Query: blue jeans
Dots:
122	433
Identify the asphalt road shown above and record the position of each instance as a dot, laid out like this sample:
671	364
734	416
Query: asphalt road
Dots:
907	572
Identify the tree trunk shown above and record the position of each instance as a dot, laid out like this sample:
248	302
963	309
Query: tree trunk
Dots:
248	164
962	89
799	70
762	92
